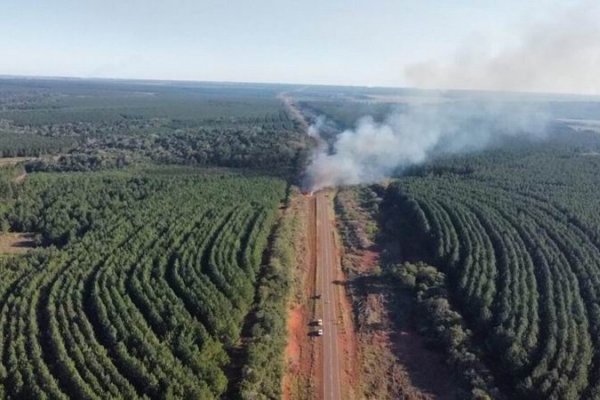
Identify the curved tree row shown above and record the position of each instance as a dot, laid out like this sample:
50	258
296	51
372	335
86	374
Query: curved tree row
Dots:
524	273
149	284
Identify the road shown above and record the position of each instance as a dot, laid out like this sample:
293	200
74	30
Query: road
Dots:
326	270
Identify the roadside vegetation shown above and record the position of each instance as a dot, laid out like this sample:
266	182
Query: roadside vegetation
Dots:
264	371
393	359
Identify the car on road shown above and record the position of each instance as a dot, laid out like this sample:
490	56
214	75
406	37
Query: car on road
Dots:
320	332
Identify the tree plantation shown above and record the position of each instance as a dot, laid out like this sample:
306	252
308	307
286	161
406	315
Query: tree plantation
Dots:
155	243
142	284
517	234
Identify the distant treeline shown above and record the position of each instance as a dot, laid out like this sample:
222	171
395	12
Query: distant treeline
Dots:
95	126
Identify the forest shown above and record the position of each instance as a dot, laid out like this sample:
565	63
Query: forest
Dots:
161	266
89	125
141	285
502	250
161	259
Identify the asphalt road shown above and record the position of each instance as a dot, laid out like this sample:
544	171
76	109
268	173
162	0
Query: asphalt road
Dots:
326	264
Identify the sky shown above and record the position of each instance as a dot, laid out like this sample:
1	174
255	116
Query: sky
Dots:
477	44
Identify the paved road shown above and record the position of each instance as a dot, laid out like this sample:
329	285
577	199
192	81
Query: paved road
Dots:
326	264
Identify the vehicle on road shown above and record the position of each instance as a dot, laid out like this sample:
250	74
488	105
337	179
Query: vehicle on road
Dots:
320	332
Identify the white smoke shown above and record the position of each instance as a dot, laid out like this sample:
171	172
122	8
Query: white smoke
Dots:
313	129
559	54
373	151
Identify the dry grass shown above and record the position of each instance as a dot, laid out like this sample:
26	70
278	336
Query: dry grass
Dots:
394	362
16	243
297	382
8	161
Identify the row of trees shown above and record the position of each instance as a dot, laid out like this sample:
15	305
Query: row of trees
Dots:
517	237
146	291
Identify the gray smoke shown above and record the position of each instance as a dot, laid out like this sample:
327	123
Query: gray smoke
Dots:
373	151
560	54
313	129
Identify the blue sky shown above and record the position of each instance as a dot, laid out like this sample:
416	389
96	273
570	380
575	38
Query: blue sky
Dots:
336	42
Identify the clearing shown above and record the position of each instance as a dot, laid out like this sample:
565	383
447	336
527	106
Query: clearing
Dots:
16	243
8	161
393	359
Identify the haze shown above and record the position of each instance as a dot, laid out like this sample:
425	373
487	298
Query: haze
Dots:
540	45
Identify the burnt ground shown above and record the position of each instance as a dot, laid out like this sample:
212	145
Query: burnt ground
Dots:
394	360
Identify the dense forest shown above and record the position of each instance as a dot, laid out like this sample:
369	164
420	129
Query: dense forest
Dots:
93	125
142	285
161	266
161	259
513	236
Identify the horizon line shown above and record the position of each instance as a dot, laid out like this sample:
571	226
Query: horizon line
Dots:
241	82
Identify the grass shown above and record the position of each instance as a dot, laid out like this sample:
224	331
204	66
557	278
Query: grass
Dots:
16	243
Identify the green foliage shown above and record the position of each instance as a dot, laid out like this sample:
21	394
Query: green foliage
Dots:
264	369
31	145
146	285
8	185
518	238
442	325
101	125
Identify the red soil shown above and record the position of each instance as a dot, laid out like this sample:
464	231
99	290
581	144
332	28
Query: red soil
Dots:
426	369
301	378
292	350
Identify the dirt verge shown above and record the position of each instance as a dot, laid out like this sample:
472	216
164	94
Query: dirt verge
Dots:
300	355
393	361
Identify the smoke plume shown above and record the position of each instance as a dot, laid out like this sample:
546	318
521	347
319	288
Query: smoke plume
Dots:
373	151
313	129
560	54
